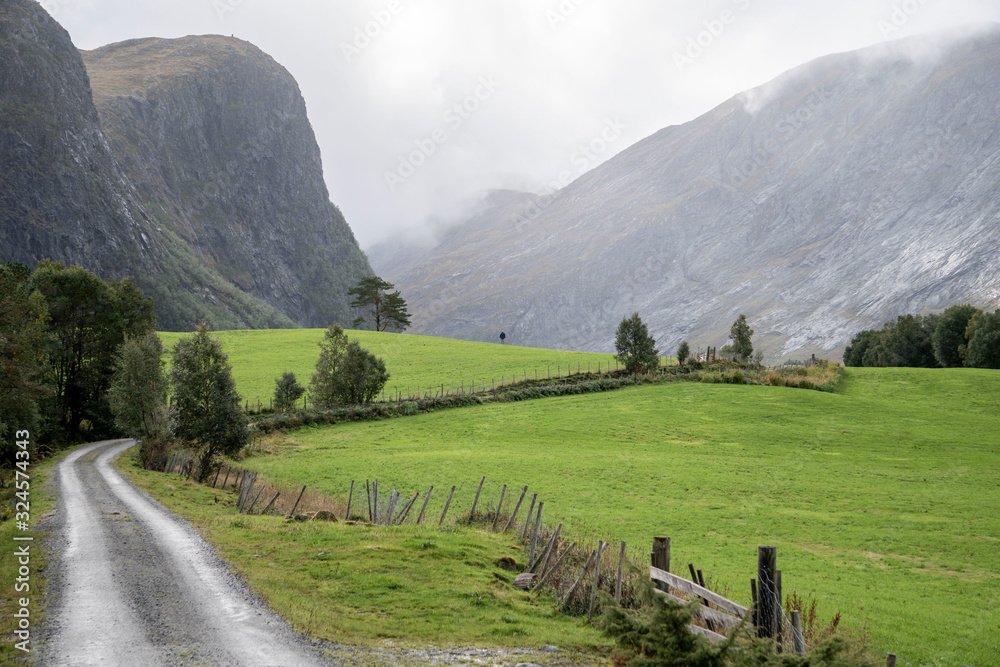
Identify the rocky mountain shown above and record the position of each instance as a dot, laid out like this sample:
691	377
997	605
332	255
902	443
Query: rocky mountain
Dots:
847	191
188	165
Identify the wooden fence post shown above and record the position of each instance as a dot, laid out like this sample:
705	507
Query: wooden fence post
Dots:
476	500
660	558
797	638
350	497
890	660
427	498
597	579
767	591
579	580
496	516
618	582
447	503
368	492
297	501
527	523
276	494
513	515
534	533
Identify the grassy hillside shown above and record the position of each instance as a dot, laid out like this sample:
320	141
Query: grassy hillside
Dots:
881	499
416	363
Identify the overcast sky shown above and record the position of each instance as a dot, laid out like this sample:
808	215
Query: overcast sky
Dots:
418	105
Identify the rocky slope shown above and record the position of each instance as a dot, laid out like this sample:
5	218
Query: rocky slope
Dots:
196	173
849	190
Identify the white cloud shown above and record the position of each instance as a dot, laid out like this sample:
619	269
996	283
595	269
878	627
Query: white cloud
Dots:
560	79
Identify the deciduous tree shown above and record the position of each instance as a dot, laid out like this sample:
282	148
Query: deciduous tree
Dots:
636	348
205	409
287	390
949	340
138	392
683	352
741	334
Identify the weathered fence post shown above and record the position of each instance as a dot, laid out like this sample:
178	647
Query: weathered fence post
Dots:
496	516
297	501
427	498
368	491
534	533
350	497
797	638
527	522
446	505
510	521
476	500
890	660
597	579
660	558
767	592
618	582
276	494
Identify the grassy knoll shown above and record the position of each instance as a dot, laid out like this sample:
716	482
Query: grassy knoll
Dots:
364	584
882	498
416	363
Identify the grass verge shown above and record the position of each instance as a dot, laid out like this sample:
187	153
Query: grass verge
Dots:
367	585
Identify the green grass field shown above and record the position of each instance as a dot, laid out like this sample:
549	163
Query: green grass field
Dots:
883	499
416	363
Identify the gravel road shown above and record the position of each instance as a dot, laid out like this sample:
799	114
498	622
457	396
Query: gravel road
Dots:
135	585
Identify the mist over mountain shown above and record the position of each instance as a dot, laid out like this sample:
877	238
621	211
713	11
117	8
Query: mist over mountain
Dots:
188	165
848	190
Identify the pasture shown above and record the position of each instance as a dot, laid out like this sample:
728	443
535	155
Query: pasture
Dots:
883	498
416	363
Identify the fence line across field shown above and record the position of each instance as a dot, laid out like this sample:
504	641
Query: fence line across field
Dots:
575	576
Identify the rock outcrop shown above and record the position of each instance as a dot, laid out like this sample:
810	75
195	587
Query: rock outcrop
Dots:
188	165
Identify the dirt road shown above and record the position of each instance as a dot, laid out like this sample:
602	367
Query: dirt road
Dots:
135	586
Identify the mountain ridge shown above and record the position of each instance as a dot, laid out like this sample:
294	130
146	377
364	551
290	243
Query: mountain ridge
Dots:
188	165
846	191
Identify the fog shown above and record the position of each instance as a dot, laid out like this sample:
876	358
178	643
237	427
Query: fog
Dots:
420	106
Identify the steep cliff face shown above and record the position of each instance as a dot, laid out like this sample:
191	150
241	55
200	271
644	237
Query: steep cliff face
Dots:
200	178
61	193
214	133
847	191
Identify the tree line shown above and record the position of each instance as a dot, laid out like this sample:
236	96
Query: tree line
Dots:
960	336
80	361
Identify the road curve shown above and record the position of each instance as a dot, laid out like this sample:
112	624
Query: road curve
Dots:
135	585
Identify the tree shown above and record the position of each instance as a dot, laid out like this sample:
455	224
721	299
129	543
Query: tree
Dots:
361	377
636	348
138	392
206	409
854	354
287	390
346	373
984	340
385	309
323	389
89	318
683	352
23	343
741	333
949	340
